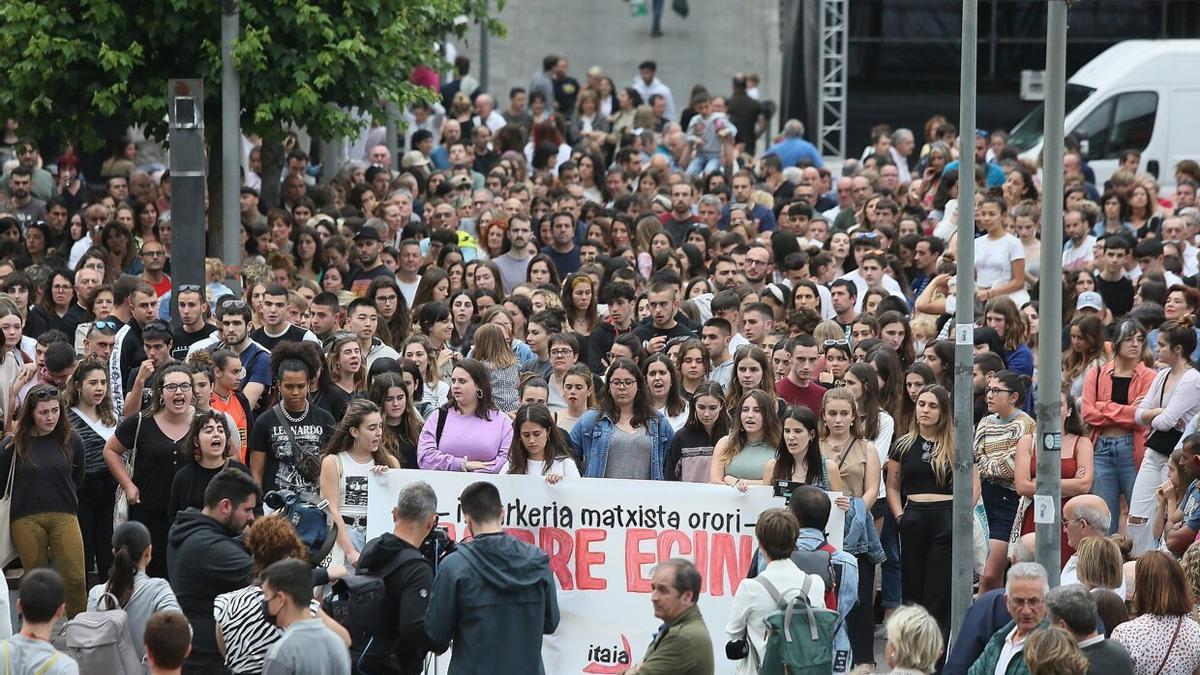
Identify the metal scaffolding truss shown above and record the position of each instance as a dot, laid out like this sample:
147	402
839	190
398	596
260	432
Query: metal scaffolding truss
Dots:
835	57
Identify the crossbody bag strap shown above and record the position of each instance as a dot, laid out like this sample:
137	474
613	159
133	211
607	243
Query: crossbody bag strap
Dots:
137	433
1167	655
845	454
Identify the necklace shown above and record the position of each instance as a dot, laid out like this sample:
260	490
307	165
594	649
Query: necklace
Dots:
295	420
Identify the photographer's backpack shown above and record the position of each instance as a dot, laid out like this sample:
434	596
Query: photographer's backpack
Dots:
359	603
799	636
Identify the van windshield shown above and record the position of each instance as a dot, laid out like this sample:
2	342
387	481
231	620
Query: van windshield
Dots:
1028	131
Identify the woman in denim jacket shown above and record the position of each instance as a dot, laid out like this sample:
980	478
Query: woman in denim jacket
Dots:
623	437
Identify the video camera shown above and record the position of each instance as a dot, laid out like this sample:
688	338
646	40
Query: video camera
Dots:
785	488
437	545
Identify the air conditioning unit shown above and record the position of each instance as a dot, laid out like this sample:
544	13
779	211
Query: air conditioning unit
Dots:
1033	85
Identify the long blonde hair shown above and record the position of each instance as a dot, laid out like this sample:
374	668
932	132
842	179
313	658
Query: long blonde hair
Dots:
941	456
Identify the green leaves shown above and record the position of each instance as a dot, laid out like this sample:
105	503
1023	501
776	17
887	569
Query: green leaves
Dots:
69	63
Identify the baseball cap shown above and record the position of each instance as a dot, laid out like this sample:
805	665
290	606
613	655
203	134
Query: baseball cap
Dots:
367	232
1090	299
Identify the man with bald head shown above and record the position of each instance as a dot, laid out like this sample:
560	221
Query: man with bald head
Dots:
1083	516
379	155
486	114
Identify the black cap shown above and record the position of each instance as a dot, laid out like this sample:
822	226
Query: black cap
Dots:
367	232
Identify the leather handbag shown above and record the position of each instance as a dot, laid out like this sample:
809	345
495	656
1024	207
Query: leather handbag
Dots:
121	508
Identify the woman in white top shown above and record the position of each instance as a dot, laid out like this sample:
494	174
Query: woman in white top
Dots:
755	600
999	257
355	451
539	447
665	391
1173	400
579	394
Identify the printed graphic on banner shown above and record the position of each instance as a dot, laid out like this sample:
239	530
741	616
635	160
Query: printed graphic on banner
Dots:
603	537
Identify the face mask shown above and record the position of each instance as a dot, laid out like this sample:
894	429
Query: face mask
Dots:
266	612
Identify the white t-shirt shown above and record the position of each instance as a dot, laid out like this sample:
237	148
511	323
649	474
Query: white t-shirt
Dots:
993	263
409	290
1075	257
563	467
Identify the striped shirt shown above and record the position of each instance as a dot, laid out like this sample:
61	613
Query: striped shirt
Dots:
246	633
995	446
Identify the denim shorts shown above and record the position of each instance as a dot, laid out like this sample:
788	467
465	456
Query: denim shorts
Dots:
1000	502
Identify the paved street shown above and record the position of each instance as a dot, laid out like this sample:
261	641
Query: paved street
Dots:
717	39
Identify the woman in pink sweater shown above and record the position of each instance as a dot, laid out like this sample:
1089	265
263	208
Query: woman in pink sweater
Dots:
468	433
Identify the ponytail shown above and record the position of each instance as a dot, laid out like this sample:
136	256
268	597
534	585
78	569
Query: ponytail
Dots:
130	541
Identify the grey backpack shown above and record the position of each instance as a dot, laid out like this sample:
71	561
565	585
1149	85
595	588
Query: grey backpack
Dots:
100	641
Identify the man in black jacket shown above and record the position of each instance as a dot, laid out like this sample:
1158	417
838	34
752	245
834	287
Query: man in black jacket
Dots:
494	596
205	560
408	578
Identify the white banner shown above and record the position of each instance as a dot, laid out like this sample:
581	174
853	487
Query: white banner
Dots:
603	537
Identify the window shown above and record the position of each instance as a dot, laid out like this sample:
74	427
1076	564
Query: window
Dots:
1123	122
1133	123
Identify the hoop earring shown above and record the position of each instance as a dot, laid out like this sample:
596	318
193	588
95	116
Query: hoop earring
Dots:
479	394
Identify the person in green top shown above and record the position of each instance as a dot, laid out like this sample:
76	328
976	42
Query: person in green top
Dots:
682	645
740	458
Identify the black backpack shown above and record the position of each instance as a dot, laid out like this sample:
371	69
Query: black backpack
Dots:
359	603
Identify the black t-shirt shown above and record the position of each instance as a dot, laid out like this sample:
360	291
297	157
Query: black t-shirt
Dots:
187	490
181	340
333	400
649	331
157	458
916	470
46	481
293	333
287	467
360	279
1118	295
565	91
744	112
406	449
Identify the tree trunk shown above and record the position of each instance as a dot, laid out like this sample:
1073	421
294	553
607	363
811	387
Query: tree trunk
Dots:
272	169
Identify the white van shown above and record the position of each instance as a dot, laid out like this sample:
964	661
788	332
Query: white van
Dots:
1138	94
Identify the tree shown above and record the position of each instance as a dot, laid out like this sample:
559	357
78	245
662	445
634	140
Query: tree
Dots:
302	63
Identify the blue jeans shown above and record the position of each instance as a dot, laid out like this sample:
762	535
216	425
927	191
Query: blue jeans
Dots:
890	538
704	163
1115	473
656	8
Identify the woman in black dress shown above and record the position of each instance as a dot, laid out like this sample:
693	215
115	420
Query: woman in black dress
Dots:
155	437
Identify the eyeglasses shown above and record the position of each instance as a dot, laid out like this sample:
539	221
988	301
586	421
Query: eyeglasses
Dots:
45	393
386	298
621	384
1032	603
830	343
153	254
562	352
178	386
752	261
995	390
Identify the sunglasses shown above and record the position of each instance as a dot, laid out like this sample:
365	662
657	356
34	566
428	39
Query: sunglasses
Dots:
236	304
106	324
44	393
186	288
830	343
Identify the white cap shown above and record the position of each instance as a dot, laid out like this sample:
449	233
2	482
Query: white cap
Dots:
1090	299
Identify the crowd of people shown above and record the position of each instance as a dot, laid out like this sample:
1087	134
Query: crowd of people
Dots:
593	283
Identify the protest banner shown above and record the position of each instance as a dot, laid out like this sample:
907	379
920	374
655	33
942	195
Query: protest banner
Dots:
603	538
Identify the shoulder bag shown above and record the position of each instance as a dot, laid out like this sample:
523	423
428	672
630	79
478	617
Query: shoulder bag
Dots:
8	550
121	508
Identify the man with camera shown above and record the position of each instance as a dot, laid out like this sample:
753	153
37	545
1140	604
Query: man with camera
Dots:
494	595
401	643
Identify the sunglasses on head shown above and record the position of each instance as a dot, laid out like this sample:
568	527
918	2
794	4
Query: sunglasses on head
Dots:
235	303
44	393
105	324
186	288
